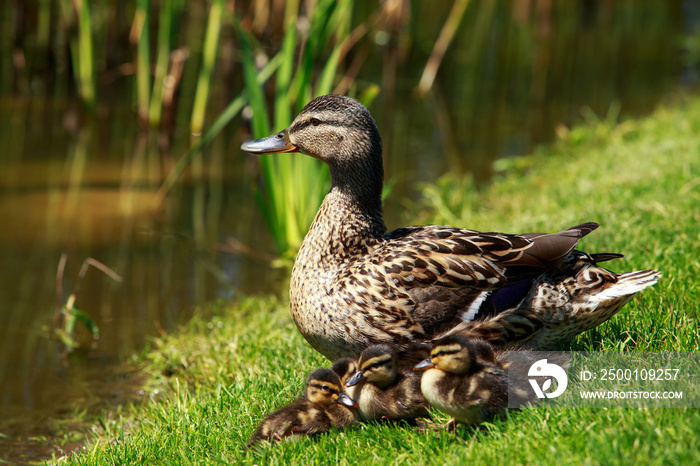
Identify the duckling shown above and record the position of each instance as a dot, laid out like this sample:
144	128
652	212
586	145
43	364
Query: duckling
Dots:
515	361
382	388
354	284
323	406
463	379
345	368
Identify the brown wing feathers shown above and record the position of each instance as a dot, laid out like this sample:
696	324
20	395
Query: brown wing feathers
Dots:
549	249
453	257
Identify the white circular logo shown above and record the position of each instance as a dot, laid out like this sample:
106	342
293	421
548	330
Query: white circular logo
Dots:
552	371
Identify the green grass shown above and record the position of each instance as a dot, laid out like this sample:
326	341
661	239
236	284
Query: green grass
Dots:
218	376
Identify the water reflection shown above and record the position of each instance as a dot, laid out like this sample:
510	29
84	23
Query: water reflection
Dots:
90	195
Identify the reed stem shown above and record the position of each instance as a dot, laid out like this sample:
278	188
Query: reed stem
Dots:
211	42
85	52
139	36
162	59
443	42
219	124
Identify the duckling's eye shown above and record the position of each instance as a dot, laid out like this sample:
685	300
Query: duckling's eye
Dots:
441	353
326	388
315	121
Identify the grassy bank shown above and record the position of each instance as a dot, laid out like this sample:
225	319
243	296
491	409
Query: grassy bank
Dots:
234	363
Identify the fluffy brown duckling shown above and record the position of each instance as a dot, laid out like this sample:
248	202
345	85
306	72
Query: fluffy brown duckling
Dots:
382	388
345	368
323	406
464	379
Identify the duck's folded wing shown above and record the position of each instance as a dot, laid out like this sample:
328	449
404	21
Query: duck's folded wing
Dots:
452	257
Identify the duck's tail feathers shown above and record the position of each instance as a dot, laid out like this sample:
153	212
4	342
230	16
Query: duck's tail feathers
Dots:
547	250
584	228
628	284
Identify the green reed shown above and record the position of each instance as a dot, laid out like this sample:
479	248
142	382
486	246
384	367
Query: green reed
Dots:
43	24
231	111
165	21
85	54
67	315
211	43
293	186
311	60
143	61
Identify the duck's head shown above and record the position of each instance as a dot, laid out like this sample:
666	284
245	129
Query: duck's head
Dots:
337	130
454	354
323	387
378	365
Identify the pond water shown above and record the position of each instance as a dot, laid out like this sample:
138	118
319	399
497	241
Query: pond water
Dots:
82	185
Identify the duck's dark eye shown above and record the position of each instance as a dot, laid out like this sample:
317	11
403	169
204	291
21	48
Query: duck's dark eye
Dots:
315	121
326	387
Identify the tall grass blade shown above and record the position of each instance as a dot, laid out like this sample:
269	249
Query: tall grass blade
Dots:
259	122
139	36
283	114
85	56
162	59
293	187
221	121
325	82
211	44
454	18
261	127
43	25
291	8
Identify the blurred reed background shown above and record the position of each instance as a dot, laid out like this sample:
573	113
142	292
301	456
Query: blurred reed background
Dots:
121	121
180	63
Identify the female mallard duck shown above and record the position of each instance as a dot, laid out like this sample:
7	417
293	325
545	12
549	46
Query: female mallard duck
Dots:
463	379
355	284
323	406
383	389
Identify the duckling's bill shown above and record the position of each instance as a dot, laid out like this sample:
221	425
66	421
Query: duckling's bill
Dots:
275	144
424	365
343	399
355	379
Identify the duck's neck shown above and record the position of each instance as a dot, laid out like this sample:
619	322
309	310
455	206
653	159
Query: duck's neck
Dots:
359	188
349	221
